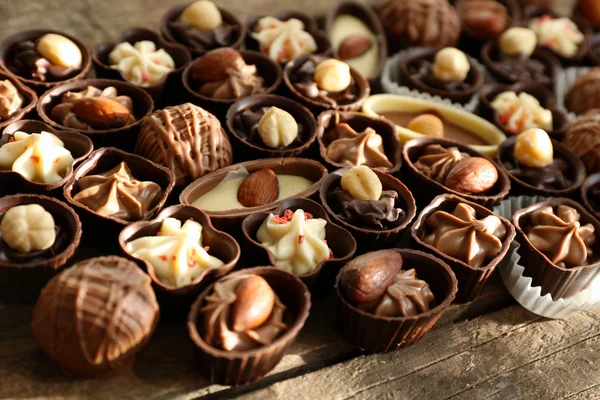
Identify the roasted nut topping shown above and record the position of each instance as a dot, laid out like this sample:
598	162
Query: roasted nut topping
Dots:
451	65
428	125
354	45
534	148
277	128
202	15
472	175
213	66
362	183
101	112
332	75
59	50
254	303
259	188
515	41
28	228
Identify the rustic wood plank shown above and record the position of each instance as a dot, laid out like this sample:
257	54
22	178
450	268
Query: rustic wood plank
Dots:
508	354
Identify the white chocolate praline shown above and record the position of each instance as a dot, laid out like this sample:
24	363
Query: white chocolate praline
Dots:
368	63
223	197
141	64
451	65
518	113
28	228
39	157
332	75
59	50
203	15
533	148
559	34
297	245
176	253
362	183
277	128
515	41
283	41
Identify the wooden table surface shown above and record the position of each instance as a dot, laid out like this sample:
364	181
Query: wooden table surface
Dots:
489	349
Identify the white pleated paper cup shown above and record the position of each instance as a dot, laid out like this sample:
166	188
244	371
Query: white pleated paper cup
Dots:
391	82
564	81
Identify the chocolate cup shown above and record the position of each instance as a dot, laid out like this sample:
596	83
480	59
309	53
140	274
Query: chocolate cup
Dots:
369	239
359	122
475	76
6	48
252	151
29	99
178	300
589	183
266	68
124	137
545	57
583	24
316	106
370	19
240	367
560	119
12	182
559	282
231	220
430	188
22	282
520	187
173	14
470	280
181	56
378	333
341	242
101	227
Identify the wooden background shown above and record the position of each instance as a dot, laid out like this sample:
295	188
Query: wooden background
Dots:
489	349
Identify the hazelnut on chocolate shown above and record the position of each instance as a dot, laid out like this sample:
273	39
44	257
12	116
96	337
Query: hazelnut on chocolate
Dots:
277	128
362	183
28	228
516	41
203	15
533	148
428	125
332	75
451	65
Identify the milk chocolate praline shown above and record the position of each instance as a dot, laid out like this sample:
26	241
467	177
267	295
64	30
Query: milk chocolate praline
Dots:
583	138
240	367
181	56
11	182
172	15
29	100
322	277
21	282
429	188
560	119
94	317
9	45
483	20
560	282
123	137
248	142
359	122
470	280
573	170
584	95
178	299
381	333
369	238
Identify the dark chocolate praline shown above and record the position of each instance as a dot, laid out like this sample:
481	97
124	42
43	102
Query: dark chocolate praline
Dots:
372	214
246	126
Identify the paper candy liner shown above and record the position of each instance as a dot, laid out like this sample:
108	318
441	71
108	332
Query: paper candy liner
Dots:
564	81
391	81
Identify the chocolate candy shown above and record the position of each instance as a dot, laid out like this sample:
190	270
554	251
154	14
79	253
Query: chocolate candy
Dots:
28	228
283	41
584	95
485	18
94	317
141	63
352	148
583	137
246	125
11	101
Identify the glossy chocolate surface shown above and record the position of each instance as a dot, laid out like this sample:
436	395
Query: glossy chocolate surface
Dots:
246	127
372	214
556	176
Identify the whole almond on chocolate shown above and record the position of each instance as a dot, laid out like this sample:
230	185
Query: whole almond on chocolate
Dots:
259	188
354	45
213	65
101	112
472	175
367	277
253	305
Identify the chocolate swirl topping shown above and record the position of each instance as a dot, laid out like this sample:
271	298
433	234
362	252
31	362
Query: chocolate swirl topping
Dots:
376	214
352	148
437	161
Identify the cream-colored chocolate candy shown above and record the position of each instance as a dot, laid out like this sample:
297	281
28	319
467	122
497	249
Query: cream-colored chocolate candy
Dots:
39	157
515	41
558	34
176	253
332	75
451	65
362	183
283	41
521	112
534	148
28	228
141	64
59	50
277	128
203	15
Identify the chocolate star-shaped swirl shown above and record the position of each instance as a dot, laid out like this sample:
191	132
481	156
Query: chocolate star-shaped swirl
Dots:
353	148
461	235
238	84
559	235
437	161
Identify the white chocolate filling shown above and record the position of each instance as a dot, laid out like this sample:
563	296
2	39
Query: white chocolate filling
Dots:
518	113
558	34
141	64
345	25
283	41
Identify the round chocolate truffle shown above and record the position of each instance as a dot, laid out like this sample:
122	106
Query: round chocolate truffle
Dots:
94	317
585	92
186	139
583	137
430	23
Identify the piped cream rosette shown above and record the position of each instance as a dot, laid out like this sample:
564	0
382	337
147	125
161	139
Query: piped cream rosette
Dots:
141	64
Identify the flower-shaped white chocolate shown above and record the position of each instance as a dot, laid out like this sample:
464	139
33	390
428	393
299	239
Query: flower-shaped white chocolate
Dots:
283	41
141	64
518	113
39	157
558	34
296	240
28	228
175	253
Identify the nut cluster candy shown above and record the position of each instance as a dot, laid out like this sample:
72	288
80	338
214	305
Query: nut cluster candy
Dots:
534	148
451	65
28	228
202	15
332	75
362	183
277	128
59	50
516	41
